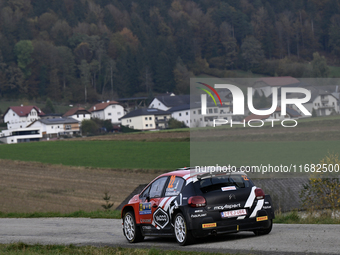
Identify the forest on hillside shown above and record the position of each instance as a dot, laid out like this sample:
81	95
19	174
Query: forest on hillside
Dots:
88	50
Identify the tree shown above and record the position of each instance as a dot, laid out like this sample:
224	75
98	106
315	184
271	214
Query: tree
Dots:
85	76
23	51
252	52
66	65
49	108
173	123
89	127
319	66
12	81
182	77
83	52
322	191
334	35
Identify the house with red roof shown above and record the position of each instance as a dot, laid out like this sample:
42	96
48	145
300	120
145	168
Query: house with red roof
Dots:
78	113
264	85
18	117
109	110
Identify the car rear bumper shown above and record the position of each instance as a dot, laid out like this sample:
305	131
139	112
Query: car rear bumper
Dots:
207	226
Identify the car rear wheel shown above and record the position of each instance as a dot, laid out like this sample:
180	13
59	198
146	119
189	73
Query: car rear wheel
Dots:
132	232
264	231
182	234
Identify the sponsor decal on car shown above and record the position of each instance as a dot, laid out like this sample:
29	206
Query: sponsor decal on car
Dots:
198	211
227	206
267	207
198	215
228	188
145	220
232	196
262	218
209	225
144	208
160	218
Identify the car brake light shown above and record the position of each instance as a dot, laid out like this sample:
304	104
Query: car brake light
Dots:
259	194
197	201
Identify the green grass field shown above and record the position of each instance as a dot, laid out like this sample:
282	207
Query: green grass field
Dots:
103	154
257	153
168	155
334	71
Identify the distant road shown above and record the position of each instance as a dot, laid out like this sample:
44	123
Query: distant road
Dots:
284	239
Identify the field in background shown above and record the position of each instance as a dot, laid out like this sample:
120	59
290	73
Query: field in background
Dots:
27	187
334	71
103	154
261	153
74	174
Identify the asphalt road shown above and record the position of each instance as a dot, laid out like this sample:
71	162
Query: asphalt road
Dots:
284	239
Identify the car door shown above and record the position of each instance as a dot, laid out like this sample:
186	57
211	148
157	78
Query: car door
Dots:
149	202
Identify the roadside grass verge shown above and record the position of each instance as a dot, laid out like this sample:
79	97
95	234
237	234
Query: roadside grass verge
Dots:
110	214
295	217
22	248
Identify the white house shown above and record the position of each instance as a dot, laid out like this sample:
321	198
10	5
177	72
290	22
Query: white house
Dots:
18	117
192	115
165	102
323	100
78	113
146	119
325	104
109	110
20	135
54	128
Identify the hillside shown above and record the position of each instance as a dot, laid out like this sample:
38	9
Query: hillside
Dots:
79	51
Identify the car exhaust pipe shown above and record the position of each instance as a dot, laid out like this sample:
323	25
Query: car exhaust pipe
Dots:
214	233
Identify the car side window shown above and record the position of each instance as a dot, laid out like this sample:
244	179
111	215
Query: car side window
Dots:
145	194
174	187
157	187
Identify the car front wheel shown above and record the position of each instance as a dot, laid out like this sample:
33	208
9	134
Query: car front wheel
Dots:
183	235
132	232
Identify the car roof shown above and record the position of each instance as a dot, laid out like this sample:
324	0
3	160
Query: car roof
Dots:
179	173
188	173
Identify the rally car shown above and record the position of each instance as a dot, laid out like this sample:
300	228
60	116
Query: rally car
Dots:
190	205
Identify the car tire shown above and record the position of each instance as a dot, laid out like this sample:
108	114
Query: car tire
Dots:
182	234
132	232
265	231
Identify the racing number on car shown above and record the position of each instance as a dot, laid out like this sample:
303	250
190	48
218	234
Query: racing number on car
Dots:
171	183
245	178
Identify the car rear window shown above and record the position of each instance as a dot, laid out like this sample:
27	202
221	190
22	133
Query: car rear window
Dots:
218	182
